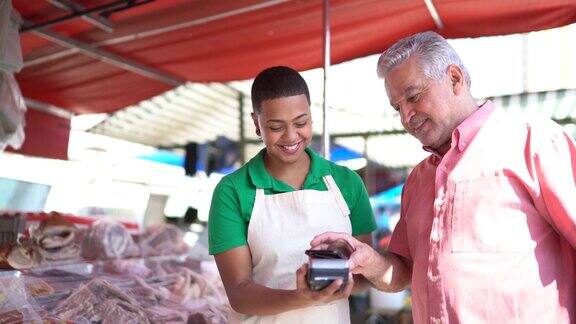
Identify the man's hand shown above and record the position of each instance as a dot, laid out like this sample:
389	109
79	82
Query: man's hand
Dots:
363	259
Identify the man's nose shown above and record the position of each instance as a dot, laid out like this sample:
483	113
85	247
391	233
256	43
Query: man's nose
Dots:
406	114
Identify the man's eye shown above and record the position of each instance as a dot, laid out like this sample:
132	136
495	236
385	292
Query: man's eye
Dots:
300	125
396	108
414	98
275	129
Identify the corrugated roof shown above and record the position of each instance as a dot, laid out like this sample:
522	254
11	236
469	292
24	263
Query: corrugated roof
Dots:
202	112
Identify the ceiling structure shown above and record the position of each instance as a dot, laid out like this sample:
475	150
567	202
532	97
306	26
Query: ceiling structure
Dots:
213	110
100	56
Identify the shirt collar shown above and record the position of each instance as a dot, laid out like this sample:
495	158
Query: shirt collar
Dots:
465	132
319	167
257	171
260	177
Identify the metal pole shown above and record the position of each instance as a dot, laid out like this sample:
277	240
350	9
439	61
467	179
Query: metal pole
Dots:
110	58
325	106
368	177
159	31
242	129
95	19
525	63
85	12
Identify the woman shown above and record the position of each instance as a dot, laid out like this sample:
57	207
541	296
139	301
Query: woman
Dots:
264	215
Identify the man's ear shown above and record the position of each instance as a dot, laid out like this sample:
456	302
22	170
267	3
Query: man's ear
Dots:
456	78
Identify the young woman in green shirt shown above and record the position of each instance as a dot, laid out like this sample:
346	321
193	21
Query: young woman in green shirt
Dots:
264	215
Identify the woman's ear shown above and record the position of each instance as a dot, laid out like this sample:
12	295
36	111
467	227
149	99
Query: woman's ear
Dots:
255	120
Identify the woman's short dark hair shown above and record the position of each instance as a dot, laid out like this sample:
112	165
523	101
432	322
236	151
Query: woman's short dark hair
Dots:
277	82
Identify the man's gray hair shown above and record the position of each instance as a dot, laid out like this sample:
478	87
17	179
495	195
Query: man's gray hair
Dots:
432	50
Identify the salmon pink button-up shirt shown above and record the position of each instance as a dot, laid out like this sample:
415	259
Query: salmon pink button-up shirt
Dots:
490	227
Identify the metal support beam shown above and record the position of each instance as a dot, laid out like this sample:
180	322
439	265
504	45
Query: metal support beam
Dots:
369	134
160	30
109	6
368	174
356	134
242	136
47	108
95	19
110	58
434	13
325	105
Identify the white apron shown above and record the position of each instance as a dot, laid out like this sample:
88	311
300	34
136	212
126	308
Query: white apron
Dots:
280	230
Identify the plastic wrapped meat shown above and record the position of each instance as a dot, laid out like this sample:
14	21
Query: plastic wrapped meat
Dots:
130	267
198	318
56	239
157	307
16	305
19	257
205	300
50	287
11	317
100	301
163	239
38	287
107	240
165	267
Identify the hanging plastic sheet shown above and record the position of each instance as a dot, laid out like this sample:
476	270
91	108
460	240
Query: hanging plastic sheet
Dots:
10	51
12	111
12	106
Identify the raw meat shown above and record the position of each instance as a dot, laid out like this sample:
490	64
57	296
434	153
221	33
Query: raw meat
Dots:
55	239
106	240
101	301
165	239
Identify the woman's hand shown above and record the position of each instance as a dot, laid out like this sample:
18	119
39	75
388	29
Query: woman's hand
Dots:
331	293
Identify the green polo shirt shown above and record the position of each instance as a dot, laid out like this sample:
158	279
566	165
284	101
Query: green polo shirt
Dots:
233	198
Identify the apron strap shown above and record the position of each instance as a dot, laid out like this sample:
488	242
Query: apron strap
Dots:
258	200
333	188
259	192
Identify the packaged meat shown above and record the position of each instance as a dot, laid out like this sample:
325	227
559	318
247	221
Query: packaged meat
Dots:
107	240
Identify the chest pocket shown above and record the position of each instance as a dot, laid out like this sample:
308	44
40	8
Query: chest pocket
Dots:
492	214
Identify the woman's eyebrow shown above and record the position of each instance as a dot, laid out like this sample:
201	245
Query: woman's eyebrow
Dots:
274	121
282	121
303	115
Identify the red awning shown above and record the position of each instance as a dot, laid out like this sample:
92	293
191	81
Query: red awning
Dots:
233	40
46	136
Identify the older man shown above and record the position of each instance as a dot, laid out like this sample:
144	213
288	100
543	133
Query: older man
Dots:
488	221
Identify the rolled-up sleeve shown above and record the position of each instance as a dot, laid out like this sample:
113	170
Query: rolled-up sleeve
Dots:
555	169
399	242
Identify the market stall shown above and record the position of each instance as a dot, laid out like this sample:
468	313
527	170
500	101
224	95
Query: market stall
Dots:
66	268
102	56
70	268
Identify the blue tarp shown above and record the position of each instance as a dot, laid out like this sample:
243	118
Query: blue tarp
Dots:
390	197
165	157
338	153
